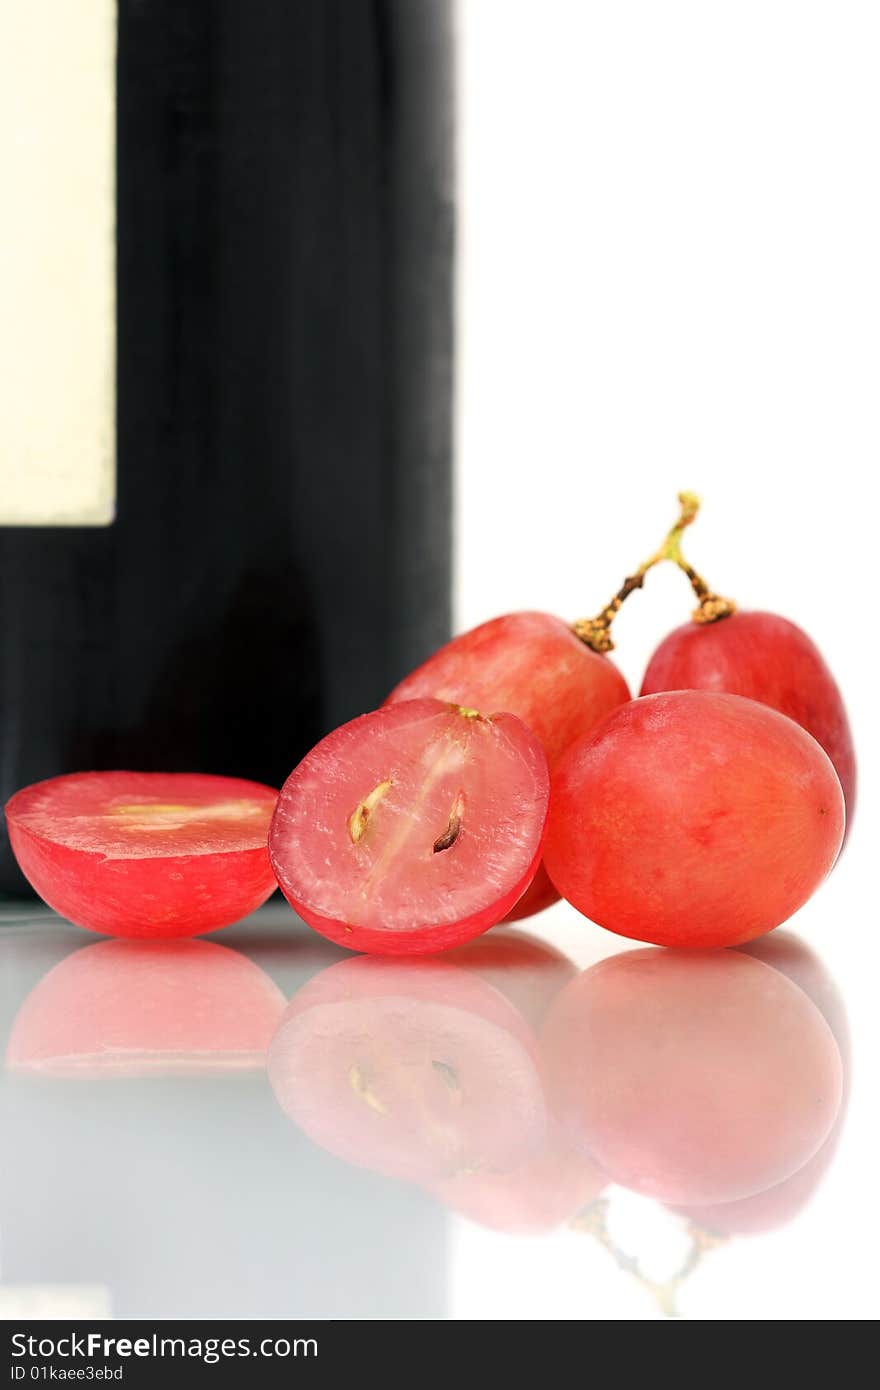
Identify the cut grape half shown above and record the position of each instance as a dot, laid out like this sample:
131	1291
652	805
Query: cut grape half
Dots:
412	829
145	854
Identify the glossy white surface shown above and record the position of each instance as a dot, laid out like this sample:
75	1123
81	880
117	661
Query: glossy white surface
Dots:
148	1167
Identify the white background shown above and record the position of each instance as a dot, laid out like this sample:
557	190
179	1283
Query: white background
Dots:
669	277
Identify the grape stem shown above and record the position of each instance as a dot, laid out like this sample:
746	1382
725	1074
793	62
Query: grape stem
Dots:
596	632
593	1221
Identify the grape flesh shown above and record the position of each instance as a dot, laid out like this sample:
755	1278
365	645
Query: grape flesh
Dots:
533	666
412	829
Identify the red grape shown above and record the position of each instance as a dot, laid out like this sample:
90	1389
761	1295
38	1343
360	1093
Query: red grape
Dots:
413	828
693	819
540	893
145	854
693	1077
418	1070
766	658
138	1008
529	664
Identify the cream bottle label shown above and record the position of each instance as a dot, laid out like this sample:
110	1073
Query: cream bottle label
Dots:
57	263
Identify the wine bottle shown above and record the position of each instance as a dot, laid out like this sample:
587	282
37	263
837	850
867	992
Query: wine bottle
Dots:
279	552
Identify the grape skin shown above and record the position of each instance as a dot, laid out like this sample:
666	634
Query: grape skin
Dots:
766	658
693	819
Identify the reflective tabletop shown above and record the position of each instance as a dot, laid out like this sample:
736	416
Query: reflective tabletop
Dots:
549	1123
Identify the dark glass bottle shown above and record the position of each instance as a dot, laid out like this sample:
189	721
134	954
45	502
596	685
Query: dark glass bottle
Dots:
280	554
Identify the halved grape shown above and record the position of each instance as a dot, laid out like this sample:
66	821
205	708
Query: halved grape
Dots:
693	1077
533	665
412	829
693	819
145	854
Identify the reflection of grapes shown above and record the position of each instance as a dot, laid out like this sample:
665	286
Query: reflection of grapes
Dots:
551	1186
137	1008
781	1203
529	973
420	1071
533	1200
693	1077
430	1073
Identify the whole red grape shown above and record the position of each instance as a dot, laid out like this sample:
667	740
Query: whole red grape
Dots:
766	658
529	664
693	819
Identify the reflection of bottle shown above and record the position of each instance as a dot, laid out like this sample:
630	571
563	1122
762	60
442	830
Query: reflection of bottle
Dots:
130	1008
280	550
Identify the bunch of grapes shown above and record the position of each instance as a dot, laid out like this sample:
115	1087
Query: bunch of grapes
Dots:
512	767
